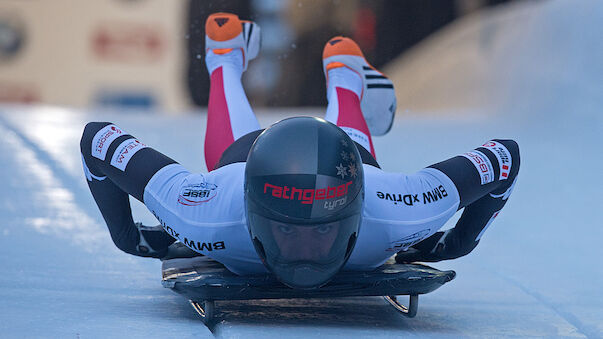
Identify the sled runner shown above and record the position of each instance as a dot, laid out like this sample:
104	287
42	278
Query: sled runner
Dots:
202	281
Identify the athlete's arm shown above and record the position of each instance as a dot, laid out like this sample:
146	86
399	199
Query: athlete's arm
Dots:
484	179
399	211
206	213
117	165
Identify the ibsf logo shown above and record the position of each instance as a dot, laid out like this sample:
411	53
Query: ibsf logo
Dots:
197	194
480	162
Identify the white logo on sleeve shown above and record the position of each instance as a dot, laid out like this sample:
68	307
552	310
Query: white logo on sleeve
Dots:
104	138
482	164
503	156
124	153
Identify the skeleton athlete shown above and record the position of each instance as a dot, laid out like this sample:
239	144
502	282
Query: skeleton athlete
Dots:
303	198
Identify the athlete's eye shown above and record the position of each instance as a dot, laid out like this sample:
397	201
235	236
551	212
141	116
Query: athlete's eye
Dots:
285	229
324	229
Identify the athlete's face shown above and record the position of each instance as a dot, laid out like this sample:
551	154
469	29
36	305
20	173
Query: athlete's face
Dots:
299	243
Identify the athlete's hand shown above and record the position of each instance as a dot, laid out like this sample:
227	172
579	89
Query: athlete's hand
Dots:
439	246
425	250
179	250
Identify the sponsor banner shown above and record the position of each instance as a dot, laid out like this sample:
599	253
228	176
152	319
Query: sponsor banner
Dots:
17	92
128	42
103	139
482	164
503	156
138	99
137	51
124	153
479	236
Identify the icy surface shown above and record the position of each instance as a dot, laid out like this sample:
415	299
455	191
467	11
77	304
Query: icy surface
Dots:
536	272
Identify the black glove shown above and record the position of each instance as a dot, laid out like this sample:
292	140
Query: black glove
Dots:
179	250
439	246
153	241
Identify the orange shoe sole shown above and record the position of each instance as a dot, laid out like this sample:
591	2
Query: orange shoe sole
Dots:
341	45
223	26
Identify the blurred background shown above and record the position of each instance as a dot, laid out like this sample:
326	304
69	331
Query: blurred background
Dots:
149	54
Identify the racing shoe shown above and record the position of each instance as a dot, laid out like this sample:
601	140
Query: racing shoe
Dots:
225	32
378	98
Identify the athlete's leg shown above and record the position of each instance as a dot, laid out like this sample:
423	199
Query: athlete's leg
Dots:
484	179
344	88
361	99
117	165
229	115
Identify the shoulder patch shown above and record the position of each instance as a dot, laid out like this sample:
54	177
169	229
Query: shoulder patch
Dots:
103	139
124	152
503	156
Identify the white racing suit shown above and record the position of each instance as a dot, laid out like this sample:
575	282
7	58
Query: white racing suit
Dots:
206	211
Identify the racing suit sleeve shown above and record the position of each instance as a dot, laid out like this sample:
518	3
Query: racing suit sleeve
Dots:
117	165
484	178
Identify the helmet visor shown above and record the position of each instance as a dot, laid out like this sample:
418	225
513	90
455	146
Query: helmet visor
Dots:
304	255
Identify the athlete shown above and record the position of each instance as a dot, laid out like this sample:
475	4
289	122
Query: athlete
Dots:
303	198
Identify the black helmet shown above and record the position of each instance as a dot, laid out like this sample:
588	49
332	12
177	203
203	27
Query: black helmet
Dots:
303	198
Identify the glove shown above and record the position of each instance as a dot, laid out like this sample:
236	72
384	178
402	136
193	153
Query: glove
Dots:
156	243
179	250
439	246
153	241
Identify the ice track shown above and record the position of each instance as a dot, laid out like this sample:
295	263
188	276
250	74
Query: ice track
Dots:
536	273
